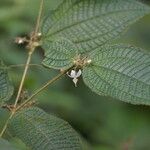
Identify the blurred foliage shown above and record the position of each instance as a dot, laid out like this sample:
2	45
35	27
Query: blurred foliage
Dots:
105	124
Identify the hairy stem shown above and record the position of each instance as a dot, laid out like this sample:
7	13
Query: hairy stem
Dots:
18	94
39	18
43	88
23	78
31	50
6	124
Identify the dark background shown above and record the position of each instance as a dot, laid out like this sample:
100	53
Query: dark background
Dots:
104	123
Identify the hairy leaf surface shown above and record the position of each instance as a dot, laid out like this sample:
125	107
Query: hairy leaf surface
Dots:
92	23
5	145
60	54
120	71
42	131
6	89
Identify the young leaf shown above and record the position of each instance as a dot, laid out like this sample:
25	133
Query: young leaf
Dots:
5	145
119	71
6	89
60	54
92	23
42	131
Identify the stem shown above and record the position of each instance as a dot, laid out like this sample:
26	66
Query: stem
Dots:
42	88
23	78
6	124
18	94
31	50
39	18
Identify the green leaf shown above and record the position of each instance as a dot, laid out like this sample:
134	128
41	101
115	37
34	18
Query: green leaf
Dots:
91	23
42	131
6	89
119	71
5	145
19	144
60	54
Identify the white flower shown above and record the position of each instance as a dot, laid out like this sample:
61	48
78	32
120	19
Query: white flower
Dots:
75	75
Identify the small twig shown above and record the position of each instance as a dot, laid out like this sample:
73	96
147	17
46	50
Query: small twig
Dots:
39	18
18	95
42	88
6	124
32	45
23	78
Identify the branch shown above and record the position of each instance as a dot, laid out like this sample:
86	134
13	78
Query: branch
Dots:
39	18
43	88
31	50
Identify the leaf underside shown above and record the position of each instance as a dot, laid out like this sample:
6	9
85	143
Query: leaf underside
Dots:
6	89
92	23
60	54
120	71
41	131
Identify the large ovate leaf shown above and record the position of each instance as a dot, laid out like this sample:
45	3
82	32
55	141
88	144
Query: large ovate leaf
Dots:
119	71
5	145
92	23
60	54
6	89
41	131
